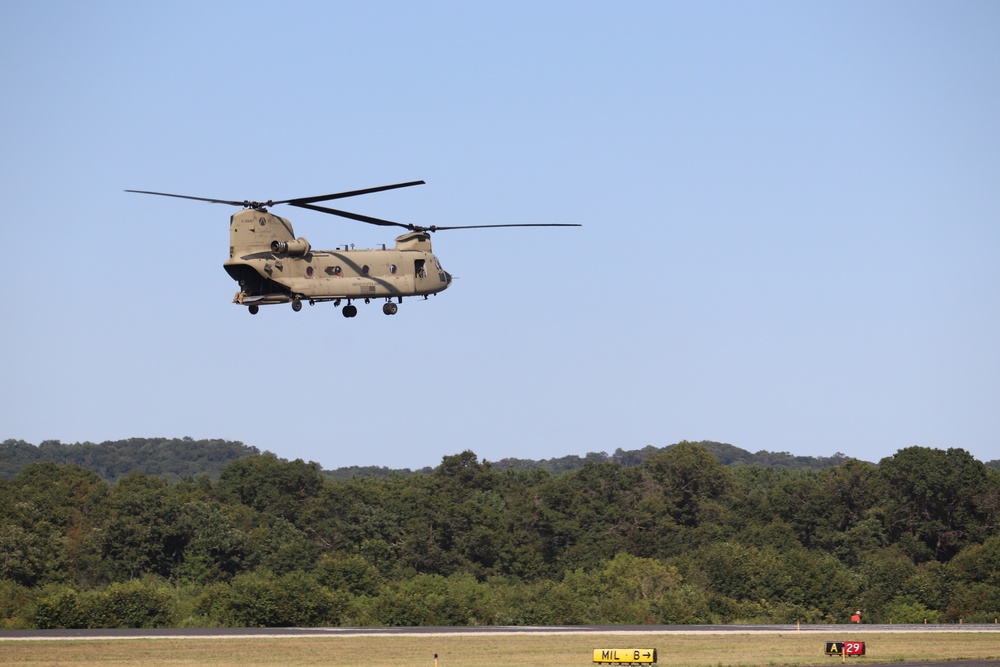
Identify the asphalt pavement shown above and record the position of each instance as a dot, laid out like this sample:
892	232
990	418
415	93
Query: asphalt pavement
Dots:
205	633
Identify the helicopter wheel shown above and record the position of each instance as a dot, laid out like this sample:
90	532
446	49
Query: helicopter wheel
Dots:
296	305
254	309
350	311
390	308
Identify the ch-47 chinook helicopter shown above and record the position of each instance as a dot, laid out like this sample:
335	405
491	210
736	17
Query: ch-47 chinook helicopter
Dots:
272	266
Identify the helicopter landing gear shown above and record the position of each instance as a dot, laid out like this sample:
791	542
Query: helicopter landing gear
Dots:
350	311
390	308
254	309
296	305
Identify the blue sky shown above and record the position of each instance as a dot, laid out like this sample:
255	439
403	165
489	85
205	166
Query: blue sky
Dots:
790	241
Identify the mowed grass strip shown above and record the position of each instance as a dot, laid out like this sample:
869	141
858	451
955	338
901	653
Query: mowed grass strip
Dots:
728	650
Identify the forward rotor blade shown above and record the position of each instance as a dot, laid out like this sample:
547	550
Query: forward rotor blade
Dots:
299	200
352	193
213	201
353	216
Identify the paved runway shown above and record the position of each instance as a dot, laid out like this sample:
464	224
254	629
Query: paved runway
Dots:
221	633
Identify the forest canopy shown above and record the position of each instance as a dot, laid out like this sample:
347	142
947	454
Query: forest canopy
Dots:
668	536
177	458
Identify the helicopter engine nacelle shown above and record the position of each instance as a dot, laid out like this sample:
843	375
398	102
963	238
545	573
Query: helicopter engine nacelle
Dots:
297	248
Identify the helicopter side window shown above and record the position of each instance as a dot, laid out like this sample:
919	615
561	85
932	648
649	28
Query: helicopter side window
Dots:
364	269
418	267
392	269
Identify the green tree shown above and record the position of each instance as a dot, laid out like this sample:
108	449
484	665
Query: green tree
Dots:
262	599
634	589
215	548
882	574
942	499
59	607
143	532
131	604
432	599
974	579
270	485
351	573
904	609
47	515
24	558
15	604
282	547
578	514
695	484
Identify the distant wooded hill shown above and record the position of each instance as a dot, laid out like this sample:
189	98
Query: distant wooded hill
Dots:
179	458
170	458
727	454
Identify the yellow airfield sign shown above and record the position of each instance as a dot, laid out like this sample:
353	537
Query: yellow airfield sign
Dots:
625	656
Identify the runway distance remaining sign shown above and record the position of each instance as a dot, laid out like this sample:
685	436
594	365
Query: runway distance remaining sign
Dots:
845	648
625	656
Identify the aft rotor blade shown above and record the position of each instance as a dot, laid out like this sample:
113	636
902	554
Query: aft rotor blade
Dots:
435	228
213	201
352	193
353	216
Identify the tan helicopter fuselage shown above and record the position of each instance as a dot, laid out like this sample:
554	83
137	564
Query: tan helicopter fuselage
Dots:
272	266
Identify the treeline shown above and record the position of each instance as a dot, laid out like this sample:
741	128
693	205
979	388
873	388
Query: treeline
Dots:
727	454
177	458
678	538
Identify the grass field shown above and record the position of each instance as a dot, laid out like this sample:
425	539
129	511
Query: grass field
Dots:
729	650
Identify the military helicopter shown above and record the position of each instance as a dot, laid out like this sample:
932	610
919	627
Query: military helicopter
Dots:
272	266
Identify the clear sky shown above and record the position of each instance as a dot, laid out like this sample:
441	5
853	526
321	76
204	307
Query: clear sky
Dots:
791	217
